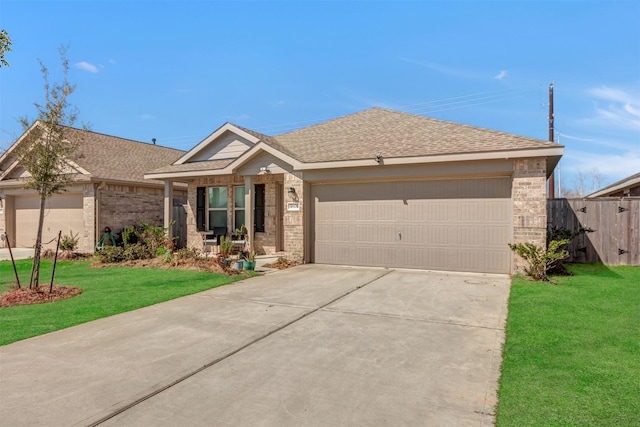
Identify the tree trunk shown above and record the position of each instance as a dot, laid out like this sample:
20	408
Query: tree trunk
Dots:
35	269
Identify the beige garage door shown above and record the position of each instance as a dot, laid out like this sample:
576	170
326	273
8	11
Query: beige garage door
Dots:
452	225
63	212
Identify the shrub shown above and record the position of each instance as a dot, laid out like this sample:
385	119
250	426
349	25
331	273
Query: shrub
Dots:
154	236
186	254
111	254
541	260
129	236
137	251
69	242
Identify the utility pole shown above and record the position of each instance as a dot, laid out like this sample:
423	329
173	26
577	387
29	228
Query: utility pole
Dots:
552	190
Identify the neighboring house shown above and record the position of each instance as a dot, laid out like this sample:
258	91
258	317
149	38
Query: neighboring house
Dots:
375	188
108	190
630	186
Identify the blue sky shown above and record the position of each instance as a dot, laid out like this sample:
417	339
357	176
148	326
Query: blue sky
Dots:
177	70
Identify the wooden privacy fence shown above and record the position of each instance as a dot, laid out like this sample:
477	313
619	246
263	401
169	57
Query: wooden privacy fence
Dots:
611	228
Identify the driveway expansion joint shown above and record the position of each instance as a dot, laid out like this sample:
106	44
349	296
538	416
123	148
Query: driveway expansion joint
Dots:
229	354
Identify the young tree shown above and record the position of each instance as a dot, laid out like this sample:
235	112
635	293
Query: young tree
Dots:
47	148
5	46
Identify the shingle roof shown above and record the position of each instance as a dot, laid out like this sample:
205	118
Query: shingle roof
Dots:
395	134
195	166
112	158
392	133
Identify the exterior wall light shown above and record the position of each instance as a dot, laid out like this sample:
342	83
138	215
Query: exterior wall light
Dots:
379	158
264	169
292	193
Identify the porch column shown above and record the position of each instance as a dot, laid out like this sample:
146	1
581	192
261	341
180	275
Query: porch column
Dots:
248	208
168	208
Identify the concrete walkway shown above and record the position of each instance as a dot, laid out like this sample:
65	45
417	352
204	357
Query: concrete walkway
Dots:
312	345
18	253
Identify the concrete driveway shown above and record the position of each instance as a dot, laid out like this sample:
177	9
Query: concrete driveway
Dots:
313	345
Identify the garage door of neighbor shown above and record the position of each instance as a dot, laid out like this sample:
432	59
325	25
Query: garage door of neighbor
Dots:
451	225
63	212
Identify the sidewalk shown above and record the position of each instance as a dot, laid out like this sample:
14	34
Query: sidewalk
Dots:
18	253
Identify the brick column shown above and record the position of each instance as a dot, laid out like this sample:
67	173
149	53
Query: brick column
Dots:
168	208
293	220
89	205
529	193
249	197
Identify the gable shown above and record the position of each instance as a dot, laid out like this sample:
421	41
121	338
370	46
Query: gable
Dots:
227	142
263	162
229	145
20	172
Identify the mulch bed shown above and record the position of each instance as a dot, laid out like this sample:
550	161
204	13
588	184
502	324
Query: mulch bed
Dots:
27	296
282	263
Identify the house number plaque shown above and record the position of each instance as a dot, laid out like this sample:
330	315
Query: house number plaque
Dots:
293	206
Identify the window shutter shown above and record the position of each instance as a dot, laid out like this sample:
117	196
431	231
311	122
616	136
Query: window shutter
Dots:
201	200
259	208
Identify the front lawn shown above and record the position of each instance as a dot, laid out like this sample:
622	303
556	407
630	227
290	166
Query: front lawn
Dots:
106	291
572	353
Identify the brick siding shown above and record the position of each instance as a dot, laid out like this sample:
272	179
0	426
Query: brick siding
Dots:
123	206
529	192
294	220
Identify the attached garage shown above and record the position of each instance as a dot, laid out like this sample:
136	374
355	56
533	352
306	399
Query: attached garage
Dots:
63	212
451	225
382	188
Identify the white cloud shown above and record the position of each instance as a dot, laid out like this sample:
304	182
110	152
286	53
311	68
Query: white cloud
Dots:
614	108
612	94
443	69
112	61
146	116
613	166
614	143
501	75
86	67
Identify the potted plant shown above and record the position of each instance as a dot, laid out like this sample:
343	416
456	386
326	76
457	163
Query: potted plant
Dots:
241	232
249	260
224	256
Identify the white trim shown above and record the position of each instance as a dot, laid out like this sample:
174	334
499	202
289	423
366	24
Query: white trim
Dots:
209	139
556	151
255	150
442	158
612	189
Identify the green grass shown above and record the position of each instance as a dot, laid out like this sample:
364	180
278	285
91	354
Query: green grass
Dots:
572	353
106	291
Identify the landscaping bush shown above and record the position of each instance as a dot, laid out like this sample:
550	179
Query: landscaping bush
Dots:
143	242
129	236
541	260
137	251
69	242
111	254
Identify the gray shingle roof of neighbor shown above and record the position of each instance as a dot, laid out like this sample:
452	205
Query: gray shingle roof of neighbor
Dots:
395	134
112	158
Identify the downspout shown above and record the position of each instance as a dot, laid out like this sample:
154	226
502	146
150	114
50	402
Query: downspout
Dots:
96	209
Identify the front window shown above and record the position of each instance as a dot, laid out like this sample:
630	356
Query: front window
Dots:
238	206
217	207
